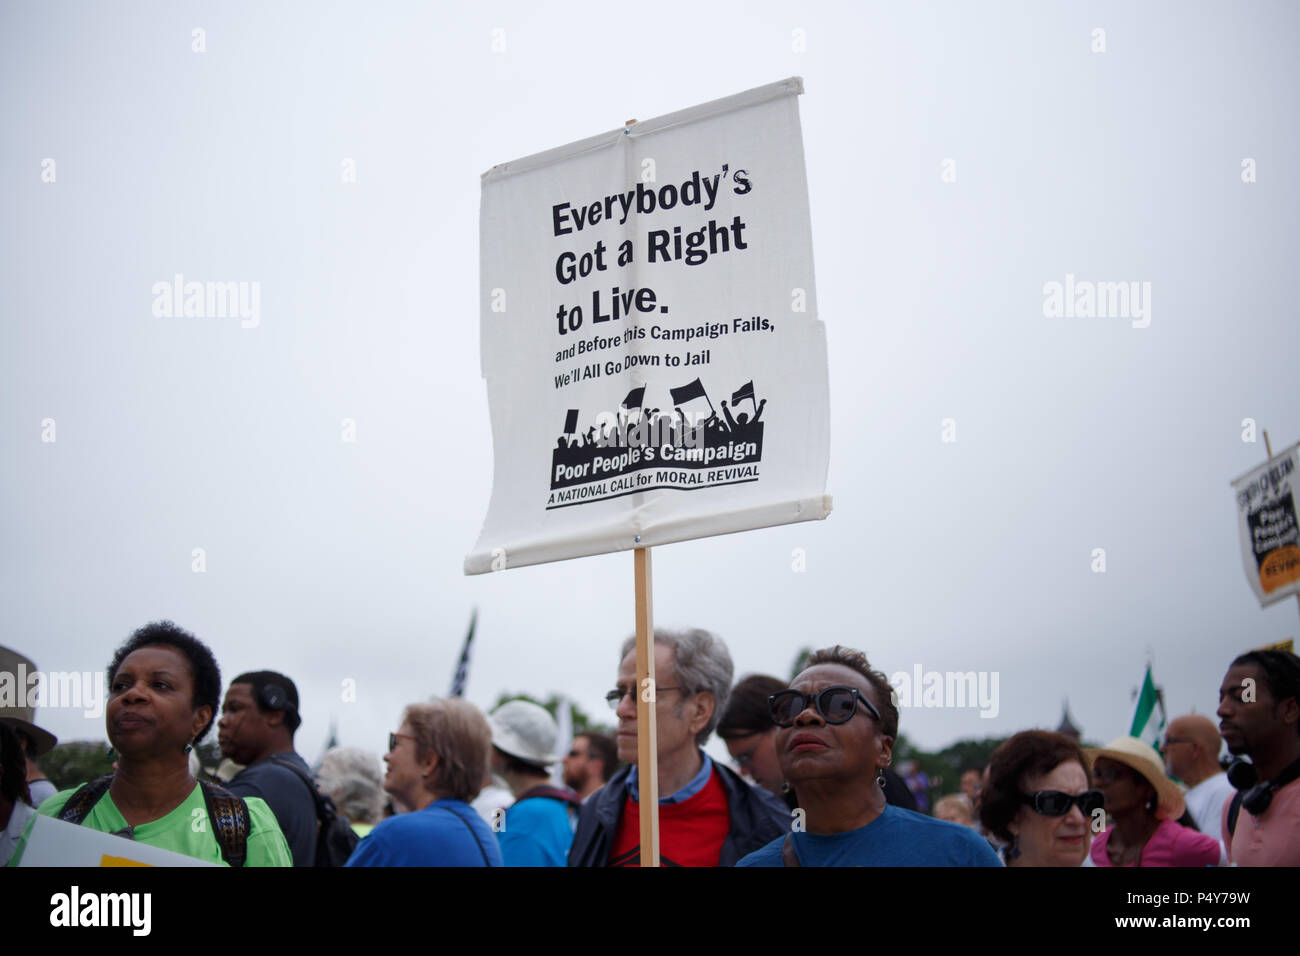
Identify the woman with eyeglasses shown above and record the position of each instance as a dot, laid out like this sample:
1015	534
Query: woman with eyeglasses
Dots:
437	761
835	736
1145	806
163	690
1039	801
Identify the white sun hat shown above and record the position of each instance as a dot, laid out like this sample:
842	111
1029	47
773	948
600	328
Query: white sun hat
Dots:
1144	758
526	731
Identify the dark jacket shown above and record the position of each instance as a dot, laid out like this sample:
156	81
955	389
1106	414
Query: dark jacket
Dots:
757	818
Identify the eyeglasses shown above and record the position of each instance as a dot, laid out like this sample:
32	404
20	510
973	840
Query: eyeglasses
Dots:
836	705
1054	803
615	696
393	738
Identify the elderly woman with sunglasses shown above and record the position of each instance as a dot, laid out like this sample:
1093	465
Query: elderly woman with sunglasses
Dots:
1145	805
437	761
1039	802
836	728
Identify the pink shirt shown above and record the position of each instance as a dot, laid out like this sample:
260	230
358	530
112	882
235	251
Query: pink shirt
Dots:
1170	845
1271	840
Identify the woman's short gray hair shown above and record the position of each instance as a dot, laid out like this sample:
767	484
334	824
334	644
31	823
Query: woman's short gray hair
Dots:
351	778
701	662
458	733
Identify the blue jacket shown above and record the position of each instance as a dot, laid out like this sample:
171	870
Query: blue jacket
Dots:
445	833
757	818
538	827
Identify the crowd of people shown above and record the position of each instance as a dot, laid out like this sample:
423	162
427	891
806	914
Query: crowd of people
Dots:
461	788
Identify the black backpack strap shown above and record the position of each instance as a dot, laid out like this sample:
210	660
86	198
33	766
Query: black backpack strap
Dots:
1234	810
335	838
228	813
230	822
83	801
477	842
317	798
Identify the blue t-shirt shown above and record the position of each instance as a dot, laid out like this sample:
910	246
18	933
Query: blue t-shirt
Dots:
537	832
897	837
445	833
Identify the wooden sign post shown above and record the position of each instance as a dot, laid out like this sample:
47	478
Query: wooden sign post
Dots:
589	233
647	737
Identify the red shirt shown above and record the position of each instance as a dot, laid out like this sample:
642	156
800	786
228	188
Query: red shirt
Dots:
1271	840
1171	845
691	833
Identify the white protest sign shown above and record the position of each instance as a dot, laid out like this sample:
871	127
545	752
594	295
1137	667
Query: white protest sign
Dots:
1270	533
656	369
52	842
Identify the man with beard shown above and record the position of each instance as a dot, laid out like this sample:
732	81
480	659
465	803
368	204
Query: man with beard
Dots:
1259	711
590	763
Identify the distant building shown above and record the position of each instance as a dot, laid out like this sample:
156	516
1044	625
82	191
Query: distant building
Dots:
1067	725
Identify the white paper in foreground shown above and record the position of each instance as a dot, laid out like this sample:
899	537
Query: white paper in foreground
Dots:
655	365
54	842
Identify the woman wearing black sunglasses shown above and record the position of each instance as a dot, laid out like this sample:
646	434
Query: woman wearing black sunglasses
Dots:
835	736
1039	801
436	761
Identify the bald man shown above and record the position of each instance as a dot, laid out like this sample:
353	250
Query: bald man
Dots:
1191	749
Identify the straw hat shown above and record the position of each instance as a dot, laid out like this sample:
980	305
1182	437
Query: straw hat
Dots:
1144	758
525	730
17	714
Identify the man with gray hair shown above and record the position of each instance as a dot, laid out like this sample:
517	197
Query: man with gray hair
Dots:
708	816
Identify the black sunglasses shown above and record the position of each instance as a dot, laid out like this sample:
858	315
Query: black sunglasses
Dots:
837	705
1054	803
393	738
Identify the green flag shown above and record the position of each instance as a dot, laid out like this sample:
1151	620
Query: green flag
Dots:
1149	718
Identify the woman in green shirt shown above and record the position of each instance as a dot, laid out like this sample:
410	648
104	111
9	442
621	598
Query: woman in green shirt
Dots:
164	685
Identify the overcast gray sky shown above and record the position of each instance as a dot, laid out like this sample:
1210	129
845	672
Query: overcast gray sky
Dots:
333	561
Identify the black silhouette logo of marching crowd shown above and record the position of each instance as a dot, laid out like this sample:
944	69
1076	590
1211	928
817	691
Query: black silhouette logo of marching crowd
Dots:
694	435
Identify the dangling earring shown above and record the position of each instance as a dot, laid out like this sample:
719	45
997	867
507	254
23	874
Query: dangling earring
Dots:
189	747
880	778
111	752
